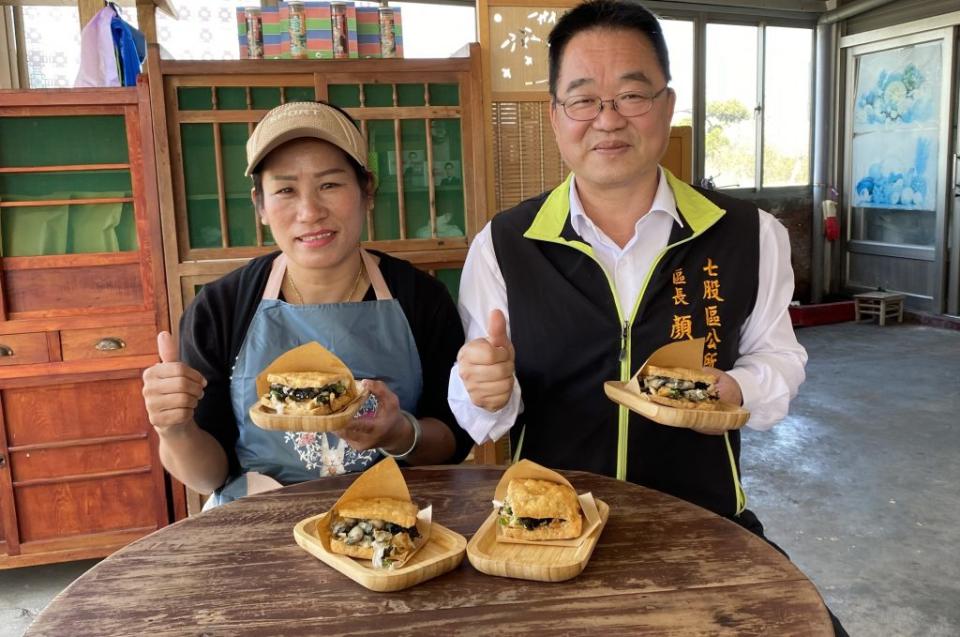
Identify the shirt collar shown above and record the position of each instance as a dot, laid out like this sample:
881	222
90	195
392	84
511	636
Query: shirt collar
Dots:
663	201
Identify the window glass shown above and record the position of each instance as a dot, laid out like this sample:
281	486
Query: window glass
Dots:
898	227
679	36
730	138
52	42
788	67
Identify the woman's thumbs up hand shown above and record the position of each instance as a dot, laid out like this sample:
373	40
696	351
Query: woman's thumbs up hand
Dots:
171	389
486	365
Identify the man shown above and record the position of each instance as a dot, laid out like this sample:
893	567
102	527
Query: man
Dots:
580	285
450	176
413	167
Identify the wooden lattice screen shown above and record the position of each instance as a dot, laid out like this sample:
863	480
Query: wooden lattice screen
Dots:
420	119
525	156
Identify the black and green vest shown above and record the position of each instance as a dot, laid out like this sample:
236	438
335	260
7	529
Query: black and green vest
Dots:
570	336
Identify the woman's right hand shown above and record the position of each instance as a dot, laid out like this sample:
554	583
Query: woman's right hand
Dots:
171	390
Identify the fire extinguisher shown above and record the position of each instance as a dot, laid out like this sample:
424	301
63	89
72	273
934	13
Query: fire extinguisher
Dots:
831	223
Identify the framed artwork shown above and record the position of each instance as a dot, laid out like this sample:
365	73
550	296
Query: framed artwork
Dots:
518	51
447	174
896	127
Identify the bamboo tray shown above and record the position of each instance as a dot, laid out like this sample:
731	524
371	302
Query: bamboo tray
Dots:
536	562
725	418
265	418
443	552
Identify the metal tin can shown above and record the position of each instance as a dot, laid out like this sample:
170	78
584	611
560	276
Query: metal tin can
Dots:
298	29
254	33
338	26
388	40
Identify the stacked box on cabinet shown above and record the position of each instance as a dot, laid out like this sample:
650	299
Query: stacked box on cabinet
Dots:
319	35
319	30
242	32
276	31
273	33
368	32
363	31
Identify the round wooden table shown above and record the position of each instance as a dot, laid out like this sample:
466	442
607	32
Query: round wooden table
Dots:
661	566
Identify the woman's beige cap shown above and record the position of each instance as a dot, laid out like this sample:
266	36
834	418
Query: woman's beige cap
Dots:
294	120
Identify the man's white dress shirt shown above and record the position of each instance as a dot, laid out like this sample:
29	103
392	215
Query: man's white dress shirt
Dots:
771	363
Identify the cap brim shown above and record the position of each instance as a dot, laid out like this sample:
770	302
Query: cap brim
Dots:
309	132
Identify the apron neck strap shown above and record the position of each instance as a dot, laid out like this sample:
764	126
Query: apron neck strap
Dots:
375	276
279	268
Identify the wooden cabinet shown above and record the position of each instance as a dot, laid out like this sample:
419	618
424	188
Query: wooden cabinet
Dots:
81	300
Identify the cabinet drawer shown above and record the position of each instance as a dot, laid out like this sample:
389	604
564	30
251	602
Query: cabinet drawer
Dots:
58	509
74	411
35	463
20	349
107	342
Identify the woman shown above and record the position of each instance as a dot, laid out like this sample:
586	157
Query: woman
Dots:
385	319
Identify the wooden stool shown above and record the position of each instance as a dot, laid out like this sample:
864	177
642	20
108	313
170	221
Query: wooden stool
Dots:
883	304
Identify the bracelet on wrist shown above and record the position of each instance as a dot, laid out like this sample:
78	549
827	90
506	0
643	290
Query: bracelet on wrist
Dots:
416	437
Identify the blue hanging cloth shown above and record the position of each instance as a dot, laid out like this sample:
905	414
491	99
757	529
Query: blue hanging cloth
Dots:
130	46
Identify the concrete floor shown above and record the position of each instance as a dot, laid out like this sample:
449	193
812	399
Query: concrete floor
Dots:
24	592
858	484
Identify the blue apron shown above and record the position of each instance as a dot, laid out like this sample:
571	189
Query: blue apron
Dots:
372	338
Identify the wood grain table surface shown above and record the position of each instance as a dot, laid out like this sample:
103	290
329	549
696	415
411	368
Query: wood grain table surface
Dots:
662	566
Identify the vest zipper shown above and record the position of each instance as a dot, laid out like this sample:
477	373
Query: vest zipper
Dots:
624	335
625	357
623	414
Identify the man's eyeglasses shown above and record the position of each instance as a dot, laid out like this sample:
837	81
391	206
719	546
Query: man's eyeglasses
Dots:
584	108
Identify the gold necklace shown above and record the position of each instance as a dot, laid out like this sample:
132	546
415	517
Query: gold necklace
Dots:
353	290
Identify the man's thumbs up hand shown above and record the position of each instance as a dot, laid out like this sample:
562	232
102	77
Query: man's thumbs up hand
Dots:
497	330
486	365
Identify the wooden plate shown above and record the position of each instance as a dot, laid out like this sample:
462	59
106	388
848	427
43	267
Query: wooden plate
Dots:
537	562
265	418
725	418
443	552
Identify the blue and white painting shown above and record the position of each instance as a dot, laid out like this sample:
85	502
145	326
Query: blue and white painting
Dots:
896	128
895	170
899	88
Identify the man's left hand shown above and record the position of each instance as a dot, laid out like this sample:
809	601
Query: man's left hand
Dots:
728	387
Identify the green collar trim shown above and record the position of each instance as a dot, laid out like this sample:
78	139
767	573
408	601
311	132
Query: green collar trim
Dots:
697	211
553	214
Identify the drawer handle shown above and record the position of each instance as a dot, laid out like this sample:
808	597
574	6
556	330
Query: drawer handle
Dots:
6	350
109	344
